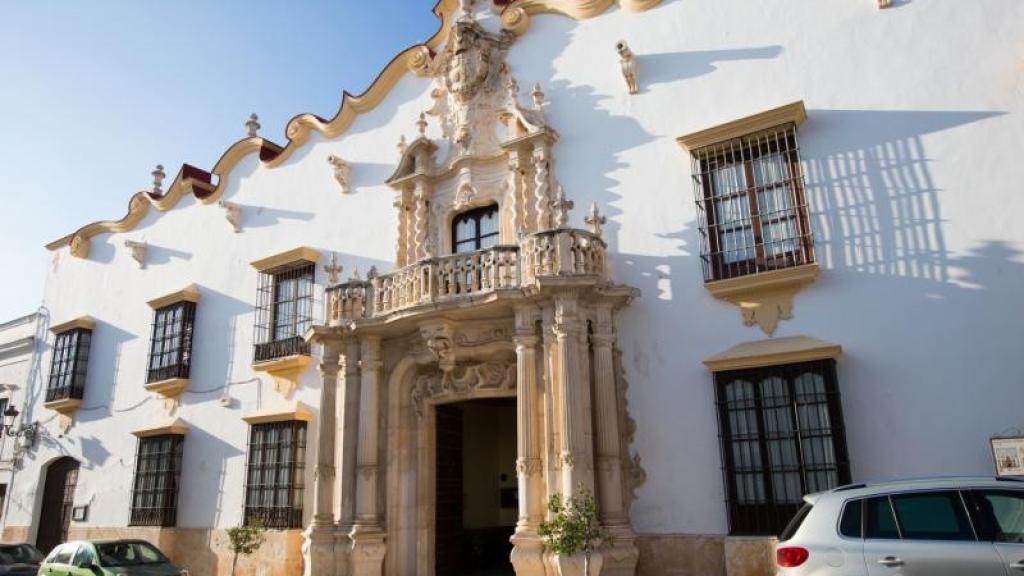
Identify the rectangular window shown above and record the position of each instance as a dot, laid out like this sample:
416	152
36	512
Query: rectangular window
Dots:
936	515
751	205
782	437
284	311
1000	515
880	524
68	365
170	351
157	474
274	476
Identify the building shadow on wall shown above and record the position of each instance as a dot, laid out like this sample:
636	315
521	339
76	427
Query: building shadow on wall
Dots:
104	373
670	67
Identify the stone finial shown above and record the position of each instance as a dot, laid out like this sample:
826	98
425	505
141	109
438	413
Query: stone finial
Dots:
333	269
884	3
595	220
342	172
355	274
253	126
628	62
421	124
233	212
138	251
372	273
561	206
467	8
513	91
538	97
158	179
402	144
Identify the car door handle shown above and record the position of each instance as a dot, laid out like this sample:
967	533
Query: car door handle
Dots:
890	561
1019	565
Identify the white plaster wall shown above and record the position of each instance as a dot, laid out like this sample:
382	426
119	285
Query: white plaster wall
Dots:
914	119
17	369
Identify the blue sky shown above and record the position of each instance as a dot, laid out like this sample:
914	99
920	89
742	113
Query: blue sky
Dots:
94	94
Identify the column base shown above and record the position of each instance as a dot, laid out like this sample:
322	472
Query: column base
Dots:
342	553
318	551
527	553
621	555
368	549
575	565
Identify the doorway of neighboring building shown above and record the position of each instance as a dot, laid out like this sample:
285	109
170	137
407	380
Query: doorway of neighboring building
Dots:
58	500
477	496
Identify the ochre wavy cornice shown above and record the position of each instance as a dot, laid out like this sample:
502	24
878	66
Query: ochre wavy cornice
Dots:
416	59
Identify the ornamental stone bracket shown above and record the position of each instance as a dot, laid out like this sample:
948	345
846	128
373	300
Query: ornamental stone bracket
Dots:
285	371
171	390
765	299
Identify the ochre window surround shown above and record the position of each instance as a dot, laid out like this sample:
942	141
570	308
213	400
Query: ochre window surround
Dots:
69	364
755	235
274	474
170	349
157	479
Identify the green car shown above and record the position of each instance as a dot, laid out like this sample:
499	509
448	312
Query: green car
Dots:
108	558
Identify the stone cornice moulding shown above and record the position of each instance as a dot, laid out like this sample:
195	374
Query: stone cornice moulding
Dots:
177	428
414	59
765	298
284	258
293	411
189	293
773	352
790	113
83	322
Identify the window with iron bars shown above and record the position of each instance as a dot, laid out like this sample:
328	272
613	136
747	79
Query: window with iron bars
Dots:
274	475
157	475
751	205
69	365
170	352
284	311
782	436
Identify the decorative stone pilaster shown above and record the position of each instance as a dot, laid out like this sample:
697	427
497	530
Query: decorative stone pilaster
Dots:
577	453
528	550
422	213
542	184
348	425
516	196
319	545
621	557
368	546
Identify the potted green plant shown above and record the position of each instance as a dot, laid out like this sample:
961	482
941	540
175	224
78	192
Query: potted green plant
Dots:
573	533
245	540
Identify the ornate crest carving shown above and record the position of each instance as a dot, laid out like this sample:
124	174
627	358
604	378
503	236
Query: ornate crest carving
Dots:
462	381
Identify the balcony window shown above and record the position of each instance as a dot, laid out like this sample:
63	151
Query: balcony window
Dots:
69	364
170	354
157	474
476	229
284	311
274	474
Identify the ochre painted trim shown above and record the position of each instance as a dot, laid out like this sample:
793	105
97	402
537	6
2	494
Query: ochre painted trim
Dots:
773	352
170	388
85	323
177	427
285	371
288	413
65	406
293	255
765	298
413	59
189	293
795	113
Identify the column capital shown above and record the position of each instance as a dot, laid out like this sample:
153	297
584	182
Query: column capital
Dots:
602	339
525	341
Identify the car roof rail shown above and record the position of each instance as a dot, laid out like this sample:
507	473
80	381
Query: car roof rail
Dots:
1008	479
849	487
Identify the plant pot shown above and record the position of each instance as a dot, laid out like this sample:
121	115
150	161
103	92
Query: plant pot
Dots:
575	565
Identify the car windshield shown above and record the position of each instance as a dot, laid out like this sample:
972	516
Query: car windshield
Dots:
128	554
19	554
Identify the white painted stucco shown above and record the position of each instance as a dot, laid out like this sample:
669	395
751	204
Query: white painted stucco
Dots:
909	150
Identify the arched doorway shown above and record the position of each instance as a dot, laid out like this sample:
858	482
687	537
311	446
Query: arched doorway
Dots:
58	499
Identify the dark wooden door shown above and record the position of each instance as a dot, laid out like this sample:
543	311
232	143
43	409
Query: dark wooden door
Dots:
448	531
58	499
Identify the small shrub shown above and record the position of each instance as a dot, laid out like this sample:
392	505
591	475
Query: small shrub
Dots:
574	526
245	540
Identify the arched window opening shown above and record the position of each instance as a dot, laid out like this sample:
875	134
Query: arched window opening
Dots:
476	229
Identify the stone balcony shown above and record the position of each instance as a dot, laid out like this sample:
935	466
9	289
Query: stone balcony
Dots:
461	278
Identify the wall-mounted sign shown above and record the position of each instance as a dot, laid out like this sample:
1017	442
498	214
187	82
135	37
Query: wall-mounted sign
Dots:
80	513
1009	456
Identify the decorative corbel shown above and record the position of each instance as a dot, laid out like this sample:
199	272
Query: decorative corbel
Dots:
233	212
438	337
342	172
627	60
138	251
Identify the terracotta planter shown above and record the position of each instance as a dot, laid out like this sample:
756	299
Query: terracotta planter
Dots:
575	565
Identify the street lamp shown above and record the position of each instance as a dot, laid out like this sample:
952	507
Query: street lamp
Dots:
26	435
9	415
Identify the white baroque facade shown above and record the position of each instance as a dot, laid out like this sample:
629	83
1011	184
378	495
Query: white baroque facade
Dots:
695	257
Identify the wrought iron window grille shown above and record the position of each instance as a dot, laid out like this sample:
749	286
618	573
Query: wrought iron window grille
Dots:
274	474
157	477
69	365
781	436
284	311
170	352
751	205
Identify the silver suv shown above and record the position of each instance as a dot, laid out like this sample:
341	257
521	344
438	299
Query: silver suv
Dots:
934	527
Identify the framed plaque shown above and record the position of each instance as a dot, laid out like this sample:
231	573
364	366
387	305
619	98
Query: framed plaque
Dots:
80	513
1009	456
